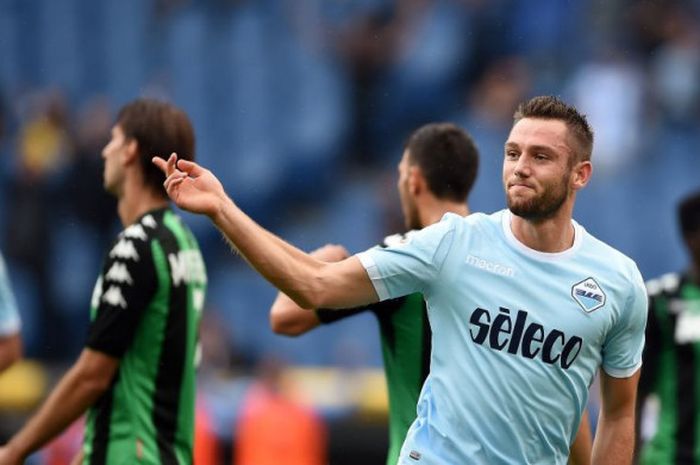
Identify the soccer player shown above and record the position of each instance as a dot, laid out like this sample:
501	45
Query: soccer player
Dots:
524	304
670	357
10	342
135	376
436	173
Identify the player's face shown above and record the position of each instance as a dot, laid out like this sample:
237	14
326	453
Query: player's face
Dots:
537	168
112	155
408	205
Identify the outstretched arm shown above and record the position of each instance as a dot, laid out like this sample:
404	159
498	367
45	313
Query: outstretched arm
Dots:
87	379
614	440
311	283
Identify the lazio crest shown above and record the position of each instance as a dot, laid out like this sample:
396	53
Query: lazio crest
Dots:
588	294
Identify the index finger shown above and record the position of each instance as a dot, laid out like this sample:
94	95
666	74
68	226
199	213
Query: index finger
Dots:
168	166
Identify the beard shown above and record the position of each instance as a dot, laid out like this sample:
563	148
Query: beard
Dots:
542	206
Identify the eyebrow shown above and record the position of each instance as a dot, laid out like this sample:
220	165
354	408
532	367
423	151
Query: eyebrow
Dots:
536	148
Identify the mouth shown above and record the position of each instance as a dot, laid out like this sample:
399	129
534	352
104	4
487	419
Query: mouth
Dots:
520	186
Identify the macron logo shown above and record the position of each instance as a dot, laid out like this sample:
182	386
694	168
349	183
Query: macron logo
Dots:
491	267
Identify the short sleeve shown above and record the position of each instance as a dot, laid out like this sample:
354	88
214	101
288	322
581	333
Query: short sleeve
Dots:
125	288
413	264
9	316
624	344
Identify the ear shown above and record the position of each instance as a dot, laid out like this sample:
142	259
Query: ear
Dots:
581	174
416	181
131	153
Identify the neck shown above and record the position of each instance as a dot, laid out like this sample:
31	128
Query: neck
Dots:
136	200
552	235
435	209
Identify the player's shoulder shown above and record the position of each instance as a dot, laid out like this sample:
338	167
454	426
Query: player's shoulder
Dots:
477	223
608	256
394	240
477	220
484	220
666	284
134	240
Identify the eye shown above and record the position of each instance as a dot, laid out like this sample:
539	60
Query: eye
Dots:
541	157
511	155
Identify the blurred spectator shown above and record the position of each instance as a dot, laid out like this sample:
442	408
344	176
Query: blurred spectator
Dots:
610	91
489	117
45	143
207	450
431	53
275	429
85	199
86	225
44	149
675	67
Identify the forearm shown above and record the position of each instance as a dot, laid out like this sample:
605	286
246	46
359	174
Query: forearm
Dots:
286	267
614	441
580	453
289	319
67	402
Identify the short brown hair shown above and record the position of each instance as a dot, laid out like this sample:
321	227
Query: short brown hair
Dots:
159	129
550	107
447	157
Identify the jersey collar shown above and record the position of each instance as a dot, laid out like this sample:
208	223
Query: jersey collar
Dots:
506	219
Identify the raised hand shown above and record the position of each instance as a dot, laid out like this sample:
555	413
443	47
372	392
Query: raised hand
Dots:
190	186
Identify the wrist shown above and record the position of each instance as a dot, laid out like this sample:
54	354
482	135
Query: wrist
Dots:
218	214
15	452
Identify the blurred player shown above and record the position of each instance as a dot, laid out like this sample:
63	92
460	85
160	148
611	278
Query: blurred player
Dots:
672	350
135	376
10	343
524	304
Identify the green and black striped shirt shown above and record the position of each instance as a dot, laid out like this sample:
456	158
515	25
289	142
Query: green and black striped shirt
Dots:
671	370
145	310
406	342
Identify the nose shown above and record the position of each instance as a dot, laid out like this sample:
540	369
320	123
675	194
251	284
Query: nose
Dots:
522	167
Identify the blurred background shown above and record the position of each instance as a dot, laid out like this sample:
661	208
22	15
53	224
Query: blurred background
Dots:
301	108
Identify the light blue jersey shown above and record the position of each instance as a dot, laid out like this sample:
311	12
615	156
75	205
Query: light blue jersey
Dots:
9	318
518	336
